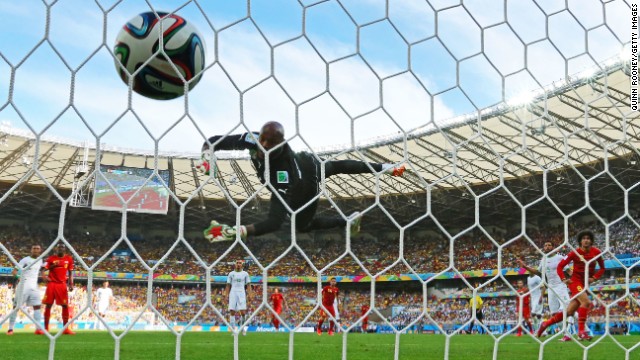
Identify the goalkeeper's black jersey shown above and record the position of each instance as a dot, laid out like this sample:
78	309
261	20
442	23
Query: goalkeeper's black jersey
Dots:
293	176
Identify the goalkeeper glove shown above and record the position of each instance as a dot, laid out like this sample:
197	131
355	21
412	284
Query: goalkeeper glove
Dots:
204	164
220	232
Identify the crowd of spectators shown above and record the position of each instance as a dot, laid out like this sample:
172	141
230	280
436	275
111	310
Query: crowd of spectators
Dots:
472	251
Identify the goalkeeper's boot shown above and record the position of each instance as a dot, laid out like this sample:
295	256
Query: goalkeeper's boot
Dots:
398	171
565	338
68	331
356	219
583	336
39	332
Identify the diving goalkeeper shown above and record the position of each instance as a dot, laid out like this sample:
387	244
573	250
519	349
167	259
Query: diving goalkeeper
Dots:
294	176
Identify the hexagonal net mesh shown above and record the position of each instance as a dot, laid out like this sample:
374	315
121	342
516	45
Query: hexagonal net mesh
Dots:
434	154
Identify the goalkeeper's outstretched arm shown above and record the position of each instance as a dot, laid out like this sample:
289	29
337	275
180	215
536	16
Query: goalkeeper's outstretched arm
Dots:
244	141
277	215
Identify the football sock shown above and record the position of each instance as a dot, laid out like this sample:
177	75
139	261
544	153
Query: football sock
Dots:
330	325
65	315
12	320
582	318
47	316
556	318
570	322
37	316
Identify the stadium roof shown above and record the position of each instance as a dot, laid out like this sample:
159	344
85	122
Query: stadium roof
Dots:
573	130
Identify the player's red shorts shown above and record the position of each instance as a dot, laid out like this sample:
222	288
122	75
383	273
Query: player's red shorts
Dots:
56	292
575	286
329	308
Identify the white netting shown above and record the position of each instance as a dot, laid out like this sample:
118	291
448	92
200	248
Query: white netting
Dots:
514	120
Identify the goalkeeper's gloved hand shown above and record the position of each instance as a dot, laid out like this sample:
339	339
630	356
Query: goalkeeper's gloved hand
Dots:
221	232
204	164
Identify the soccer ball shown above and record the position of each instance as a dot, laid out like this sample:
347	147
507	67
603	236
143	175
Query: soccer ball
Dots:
139	40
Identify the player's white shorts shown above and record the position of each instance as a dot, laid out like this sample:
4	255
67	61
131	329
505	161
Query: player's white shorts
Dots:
28	296
536	305
237	300
103	307
558	298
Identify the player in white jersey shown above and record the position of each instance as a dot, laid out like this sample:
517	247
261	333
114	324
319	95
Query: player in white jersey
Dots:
103	300
27	291
236	290
534	283
558	294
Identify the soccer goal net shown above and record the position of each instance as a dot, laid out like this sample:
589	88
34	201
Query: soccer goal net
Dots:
433	157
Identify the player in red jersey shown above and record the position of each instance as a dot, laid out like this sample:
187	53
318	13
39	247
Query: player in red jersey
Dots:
277	300
580	299
329	294
524	303
365	320
60	280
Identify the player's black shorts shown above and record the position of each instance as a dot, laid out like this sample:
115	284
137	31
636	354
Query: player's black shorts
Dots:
479	314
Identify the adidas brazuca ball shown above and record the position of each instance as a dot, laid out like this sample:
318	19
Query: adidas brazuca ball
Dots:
139	40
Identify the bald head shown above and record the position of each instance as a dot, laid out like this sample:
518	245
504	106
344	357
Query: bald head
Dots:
271	134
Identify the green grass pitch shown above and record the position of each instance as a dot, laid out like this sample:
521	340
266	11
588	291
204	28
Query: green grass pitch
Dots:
266	346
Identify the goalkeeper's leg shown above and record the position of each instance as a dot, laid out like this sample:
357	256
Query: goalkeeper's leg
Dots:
359	167
306	220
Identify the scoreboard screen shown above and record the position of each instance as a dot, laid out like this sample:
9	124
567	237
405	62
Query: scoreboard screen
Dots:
141	187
